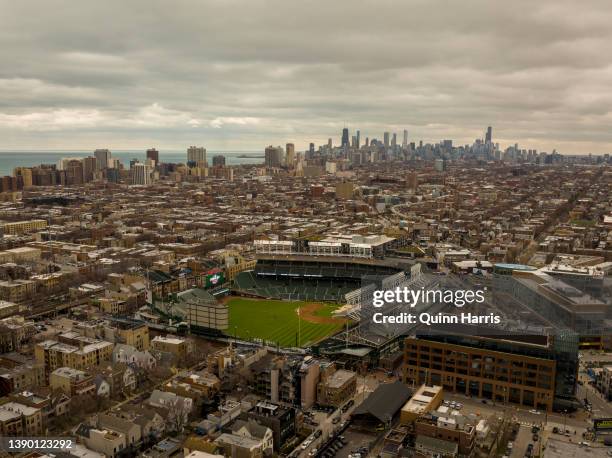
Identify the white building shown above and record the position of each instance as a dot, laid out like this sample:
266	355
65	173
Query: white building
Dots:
141	174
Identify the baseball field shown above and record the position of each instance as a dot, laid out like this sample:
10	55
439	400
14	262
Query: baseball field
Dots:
277	322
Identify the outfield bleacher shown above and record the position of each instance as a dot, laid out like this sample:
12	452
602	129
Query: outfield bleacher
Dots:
308	281
342	270
293	288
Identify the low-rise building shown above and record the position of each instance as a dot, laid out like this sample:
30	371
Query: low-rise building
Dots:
106	441
426	399
22	227
435	448
18	374
205	383
336	387
17	290
239	446
604	382
177	408
253	430
166	448
8	309
112	306
454	429
19	255
71	381
18	419
130	430
15	331
89	353
176	346
131	332
281	420
128	354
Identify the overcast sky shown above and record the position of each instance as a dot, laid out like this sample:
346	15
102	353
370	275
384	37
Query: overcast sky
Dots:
238	75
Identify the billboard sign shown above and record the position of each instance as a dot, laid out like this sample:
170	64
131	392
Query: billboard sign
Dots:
213	279
602	424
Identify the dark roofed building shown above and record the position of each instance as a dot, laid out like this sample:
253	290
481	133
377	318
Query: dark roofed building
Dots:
382	405
281	420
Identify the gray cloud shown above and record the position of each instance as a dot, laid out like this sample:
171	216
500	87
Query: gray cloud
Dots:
232	74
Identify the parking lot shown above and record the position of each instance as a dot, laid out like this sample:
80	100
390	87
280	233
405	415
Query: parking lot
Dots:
356	440
348	442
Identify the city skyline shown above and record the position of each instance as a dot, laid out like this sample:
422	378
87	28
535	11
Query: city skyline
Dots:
345	139
176	76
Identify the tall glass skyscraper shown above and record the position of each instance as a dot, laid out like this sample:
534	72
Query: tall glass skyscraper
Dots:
345	137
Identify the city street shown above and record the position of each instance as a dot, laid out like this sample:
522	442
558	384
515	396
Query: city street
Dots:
523	439
601	407
522	415
365	385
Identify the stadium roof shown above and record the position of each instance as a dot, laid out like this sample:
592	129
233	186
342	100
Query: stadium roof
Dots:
514	266
361	352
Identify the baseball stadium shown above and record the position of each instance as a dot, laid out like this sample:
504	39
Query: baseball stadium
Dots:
303	296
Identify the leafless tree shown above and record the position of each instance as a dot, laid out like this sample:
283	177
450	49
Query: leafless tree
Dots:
177	415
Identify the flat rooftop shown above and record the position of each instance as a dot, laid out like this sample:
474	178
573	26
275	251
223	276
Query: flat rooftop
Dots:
339	378
421	401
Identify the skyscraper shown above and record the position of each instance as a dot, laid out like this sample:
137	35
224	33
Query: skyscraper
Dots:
89	167
103	157
386	139
73	173
405	141
141	174
153	154
345	137
394	140
218	160
358	139
290	158
273	156
489	136
196	156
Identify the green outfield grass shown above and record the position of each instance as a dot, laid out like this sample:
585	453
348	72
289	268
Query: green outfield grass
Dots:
277	321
